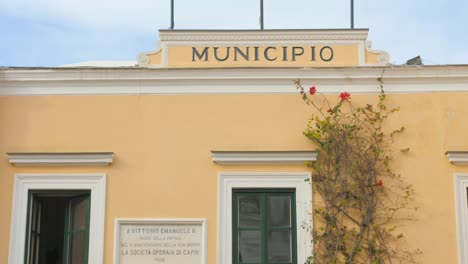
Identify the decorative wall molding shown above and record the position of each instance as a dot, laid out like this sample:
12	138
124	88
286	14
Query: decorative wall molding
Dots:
300	181
461	206
96	183
24	159
240	38
133	80
262	157
458	157
262	35
384	57
143	58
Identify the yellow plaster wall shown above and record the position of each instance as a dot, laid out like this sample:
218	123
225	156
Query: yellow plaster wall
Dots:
155	58
372	57
163	166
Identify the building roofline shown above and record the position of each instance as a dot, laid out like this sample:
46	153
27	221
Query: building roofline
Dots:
265	30
71	68
134	80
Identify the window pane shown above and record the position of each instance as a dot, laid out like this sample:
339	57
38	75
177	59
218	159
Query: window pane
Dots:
36	252
279	246
279	211
467	194
249	211
33	249
77	248
37	229
34	213
78	213
249	246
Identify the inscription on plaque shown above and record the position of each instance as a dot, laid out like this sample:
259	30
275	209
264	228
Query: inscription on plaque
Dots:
161	242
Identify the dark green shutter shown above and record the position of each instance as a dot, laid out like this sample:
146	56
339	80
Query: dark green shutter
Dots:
76	241
253	221
33	230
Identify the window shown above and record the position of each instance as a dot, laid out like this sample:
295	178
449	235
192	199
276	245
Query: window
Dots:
296	183
73	191
57	227
264	226
461	202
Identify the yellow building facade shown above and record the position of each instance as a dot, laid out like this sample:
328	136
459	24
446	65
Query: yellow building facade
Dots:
157	151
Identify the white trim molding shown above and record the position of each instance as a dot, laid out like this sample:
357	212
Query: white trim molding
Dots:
60	159
133	80
155	221
458	157
263	157
383	56
270	35
300	181
461	206
96	183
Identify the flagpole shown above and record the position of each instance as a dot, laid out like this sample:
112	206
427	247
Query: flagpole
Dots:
352	14
261	14
172	15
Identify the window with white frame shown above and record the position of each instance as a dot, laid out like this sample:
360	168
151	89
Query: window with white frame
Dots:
461	200
81	197
292	185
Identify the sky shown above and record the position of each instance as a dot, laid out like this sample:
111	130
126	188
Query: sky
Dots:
49	33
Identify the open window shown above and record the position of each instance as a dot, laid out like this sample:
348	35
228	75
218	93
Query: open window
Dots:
67	186
57	229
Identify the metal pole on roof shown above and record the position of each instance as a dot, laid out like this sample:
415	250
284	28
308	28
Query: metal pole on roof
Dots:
261	14
352	14
172	15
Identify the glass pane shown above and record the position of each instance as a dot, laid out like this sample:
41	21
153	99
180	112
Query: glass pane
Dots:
78	213
467	194
77	248
34	214
38	217
32	252
36	252
249	210
249	246
279	211
279	246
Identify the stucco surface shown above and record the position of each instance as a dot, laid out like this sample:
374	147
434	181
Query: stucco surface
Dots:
163	164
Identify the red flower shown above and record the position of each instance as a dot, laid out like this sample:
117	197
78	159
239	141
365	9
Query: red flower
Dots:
345	96
312	90
380	183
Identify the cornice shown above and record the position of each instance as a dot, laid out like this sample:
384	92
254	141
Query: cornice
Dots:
458	157
30	159
133	73
263	157
261	35
69	81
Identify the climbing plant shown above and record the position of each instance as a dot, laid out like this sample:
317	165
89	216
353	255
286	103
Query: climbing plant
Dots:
360	201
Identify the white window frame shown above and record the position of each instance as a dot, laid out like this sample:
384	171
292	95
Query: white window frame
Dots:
299	181
96	183
461	204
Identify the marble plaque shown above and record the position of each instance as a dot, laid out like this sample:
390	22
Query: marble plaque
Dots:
175	241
